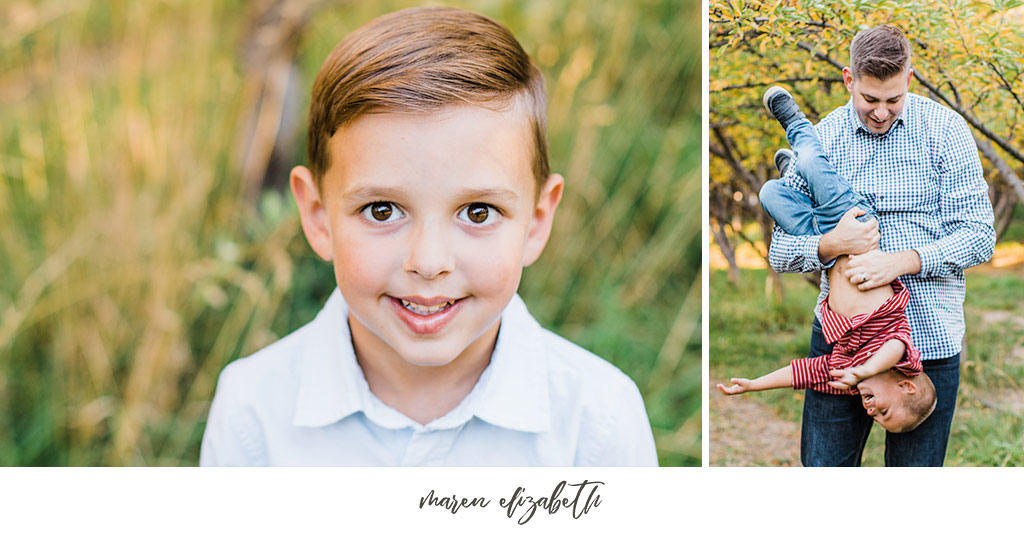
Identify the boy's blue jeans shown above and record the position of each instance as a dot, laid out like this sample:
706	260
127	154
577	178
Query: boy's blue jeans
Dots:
835	427
831	195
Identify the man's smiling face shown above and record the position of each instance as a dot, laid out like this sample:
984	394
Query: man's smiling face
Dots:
878	102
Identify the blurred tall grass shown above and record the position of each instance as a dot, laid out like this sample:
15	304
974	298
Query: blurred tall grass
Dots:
132	268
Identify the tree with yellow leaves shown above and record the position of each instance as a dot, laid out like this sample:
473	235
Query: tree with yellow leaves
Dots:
967	55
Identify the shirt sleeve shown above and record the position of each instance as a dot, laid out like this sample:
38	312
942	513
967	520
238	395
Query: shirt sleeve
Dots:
809	372
965	208
910	364
233	436
625	437
794	253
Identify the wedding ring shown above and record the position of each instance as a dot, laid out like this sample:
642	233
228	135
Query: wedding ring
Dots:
863	277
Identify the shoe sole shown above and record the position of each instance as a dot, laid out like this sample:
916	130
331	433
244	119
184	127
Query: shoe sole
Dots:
783	151
772	91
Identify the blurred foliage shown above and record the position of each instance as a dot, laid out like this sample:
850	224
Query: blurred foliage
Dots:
135	265
968	55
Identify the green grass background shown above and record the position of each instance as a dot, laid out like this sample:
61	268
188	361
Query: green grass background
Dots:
132	270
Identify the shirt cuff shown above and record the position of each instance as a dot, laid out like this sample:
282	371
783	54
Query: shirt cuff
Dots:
931	260
808	372
812	257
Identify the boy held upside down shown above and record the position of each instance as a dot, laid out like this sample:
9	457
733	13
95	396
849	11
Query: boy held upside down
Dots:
873	355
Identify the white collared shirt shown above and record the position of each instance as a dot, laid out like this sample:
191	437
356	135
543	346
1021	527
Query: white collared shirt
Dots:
542	401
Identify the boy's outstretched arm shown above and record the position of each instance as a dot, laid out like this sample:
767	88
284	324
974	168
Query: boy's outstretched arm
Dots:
885	358
780	378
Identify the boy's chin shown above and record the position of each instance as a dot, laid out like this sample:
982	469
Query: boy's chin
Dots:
429	361
430	355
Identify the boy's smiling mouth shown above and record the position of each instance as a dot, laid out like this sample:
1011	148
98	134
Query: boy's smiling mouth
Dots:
423	309
426	315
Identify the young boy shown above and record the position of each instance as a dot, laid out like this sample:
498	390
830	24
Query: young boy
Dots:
428	188
873	354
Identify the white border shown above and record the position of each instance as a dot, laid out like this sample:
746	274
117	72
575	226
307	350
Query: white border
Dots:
705	378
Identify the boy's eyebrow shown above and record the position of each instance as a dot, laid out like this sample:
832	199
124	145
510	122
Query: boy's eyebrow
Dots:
504	195
372	192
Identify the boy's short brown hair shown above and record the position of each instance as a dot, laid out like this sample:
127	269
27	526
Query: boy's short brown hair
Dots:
881	52
420	60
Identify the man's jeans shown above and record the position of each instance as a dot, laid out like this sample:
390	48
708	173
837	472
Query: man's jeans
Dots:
831	195
836	427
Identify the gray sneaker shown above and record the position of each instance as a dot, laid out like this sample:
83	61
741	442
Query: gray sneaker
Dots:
783	158
781	106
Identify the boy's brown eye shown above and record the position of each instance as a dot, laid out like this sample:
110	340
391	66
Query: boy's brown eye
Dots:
478	213
380	211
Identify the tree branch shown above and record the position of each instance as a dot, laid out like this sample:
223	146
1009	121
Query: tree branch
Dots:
1006	84
820	56
1004	169
828	80
974	122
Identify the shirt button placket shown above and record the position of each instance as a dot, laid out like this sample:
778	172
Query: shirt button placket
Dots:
418	449
430	447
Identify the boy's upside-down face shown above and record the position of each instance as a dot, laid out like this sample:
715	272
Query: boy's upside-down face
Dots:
884	398
428	219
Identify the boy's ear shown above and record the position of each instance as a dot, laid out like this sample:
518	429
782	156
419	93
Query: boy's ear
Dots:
907	386
543	216
312	212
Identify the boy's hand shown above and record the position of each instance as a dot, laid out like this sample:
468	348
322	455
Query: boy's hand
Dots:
738	386
846	379
850	236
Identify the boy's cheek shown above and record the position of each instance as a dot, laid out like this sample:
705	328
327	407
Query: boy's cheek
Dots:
361	261
496	279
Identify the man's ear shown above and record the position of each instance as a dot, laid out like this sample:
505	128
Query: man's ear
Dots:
542	218
907	386
848	79
910	76
312	212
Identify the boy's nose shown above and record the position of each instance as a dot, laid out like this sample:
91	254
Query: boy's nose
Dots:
429	254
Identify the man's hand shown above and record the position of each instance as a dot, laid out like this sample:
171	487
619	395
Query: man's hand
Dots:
877	268
846	379
739	386
850	236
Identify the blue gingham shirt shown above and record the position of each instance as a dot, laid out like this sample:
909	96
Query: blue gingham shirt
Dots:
924	180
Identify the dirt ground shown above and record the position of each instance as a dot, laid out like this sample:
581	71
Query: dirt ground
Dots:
744	432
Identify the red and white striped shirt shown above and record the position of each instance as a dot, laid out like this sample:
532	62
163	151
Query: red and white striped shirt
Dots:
856	339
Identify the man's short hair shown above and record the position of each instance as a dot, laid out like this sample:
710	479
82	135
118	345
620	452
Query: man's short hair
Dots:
881	52
421	60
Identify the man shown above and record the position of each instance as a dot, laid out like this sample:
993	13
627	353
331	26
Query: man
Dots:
916	163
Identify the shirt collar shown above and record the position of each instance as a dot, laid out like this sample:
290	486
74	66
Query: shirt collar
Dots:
834	325
512	392
331	383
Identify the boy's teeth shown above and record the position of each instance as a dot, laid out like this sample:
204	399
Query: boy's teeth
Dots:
425	310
